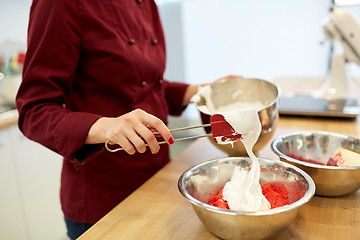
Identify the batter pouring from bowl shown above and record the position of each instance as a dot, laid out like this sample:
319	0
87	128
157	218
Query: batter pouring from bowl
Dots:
243	192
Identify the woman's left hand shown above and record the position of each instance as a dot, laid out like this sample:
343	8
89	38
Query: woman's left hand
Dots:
192	89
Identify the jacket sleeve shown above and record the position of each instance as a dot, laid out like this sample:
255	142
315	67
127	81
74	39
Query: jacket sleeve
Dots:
174	93
54	41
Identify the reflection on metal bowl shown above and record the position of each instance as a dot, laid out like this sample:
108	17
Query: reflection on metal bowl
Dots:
199	183
249	91
329	180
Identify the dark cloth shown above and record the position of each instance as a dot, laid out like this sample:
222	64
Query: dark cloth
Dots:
87	59
76	229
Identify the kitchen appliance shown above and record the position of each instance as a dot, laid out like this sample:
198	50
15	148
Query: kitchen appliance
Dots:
334	99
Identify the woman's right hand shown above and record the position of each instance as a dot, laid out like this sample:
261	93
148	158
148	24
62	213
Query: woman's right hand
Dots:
131	131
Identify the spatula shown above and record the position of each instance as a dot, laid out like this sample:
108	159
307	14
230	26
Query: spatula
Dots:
222	131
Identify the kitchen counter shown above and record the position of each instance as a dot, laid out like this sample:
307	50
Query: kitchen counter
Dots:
157	210
8	119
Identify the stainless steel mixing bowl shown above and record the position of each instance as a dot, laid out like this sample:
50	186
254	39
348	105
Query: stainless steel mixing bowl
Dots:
249	90
317	145
199	183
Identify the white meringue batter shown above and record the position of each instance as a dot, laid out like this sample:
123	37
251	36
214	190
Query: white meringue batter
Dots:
243	192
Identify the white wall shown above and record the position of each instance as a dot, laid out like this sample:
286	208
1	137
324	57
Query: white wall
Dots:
258	38
171	13
253	38
14	16
208	39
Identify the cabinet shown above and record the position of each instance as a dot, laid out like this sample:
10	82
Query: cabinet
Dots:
12	222
30	174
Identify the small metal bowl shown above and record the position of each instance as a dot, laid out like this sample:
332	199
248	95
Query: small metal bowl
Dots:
249	90
320	145
199	183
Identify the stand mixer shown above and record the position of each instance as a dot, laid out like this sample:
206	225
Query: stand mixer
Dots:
334	99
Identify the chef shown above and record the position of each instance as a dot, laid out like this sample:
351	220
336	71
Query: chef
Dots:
94	72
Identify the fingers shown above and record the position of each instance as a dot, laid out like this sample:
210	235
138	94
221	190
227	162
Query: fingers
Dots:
154	123
135	129
125	144
233	76
146	136
227	77
150	123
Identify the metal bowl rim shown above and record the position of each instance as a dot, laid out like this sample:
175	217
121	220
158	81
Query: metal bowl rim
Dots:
257	79
279	139
306	198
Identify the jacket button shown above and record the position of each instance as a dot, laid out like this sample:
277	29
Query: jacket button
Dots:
161	81
143	83
154	41
139	1
131	41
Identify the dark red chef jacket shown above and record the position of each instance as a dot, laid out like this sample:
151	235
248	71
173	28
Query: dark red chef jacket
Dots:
87	59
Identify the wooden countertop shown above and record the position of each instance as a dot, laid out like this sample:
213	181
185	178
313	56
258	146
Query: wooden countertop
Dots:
157	210
8	119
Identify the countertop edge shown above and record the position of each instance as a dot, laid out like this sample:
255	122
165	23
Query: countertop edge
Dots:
8	119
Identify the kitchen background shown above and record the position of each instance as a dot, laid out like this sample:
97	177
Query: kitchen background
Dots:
206	40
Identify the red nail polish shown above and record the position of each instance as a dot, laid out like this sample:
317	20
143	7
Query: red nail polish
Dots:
171	141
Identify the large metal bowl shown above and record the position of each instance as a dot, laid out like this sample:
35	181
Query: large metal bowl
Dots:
249	90
320	145
199	183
